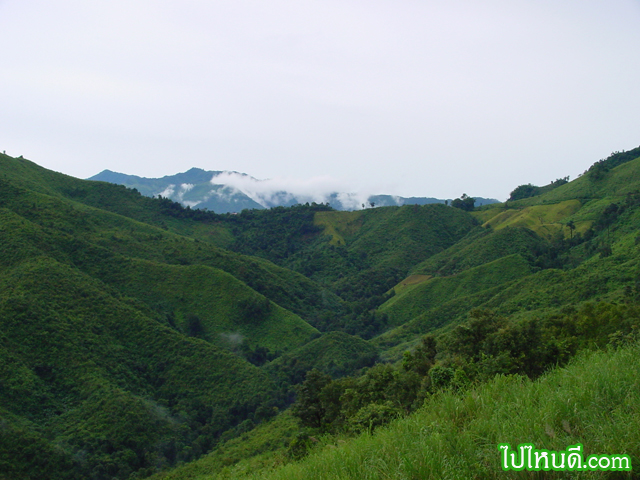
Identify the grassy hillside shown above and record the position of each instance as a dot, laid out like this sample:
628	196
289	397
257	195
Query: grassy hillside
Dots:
413	300
395	237
577	249
616	176
330	245
262	447
593	402
480	246
358	256
223	304
140	227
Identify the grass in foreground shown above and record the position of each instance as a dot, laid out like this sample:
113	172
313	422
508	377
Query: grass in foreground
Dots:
594	401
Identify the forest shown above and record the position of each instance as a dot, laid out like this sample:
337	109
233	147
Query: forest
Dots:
143	339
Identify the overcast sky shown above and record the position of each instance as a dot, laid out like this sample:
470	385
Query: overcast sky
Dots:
413	98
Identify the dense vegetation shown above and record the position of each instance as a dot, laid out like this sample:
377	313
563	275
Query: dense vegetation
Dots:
593	402
137	335
529	190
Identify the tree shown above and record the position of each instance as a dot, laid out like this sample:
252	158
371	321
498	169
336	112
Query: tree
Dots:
464	202
598	170
524	191
422	358
308	405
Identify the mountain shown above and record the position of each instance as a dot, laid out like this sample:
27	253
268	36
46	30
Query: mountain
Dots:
232	192
141	337
125	347
131	340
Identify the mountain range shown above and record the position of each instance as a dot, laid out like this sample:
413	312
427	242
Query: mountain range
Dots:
232	192
143	339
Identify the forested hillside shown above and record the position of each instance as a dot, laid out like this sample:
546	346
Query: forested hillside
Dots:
137	335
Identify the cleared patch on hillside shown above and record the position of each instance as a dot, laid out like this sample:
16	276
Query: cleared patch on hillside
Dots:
413	280
437	291
410	282
339	224
545	220
487	213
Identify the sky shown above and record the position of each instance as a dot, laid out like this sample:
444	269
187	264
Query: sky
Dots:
411	98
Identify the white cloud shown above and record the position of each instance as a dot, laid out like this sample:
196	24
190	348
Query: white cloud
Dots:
167	192
279	189
399	201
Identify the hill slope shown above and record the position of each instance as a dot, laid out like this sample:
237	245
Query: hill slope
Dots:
95	378
457	435
579	241
136	333
124	347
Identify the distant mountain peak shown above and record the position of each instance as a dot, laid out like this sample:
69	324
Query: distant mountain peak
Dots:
225	191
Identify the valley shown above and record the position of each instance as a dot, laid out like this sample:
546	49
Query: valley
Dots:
141	338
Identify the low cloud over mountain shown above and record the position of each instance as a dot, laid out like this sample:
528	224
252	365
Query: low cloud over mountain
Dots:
224	192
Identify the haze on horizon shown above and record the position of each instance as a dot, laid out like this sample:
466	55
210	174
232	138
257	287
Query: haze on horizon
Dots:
415	98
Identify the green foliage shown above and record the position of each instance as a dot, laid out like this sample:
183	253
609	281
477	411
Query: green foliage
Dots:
355	404
42	197
476	350
438	290
96	366
194	326
336	354
422	358
106	381
363	254
308	406
481	246
254	310
277	233
130	340
269	442
598	170
465	203
615	177
26	453
373	415
592	402
524	191
488	344
529	190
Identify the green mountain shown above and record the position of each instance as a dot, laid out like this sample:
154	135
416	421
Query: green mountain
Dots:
127	347
137	335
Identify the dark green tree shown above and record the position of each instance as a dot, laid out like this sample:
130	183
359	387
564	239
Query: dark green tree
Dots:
465	202
422	358
308	405
524	191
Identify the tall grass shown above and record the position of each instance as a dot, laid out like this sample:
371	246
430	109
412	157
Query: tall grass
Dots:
594	401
